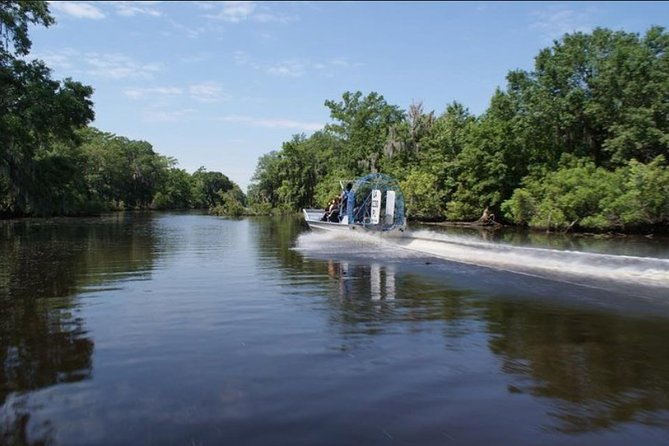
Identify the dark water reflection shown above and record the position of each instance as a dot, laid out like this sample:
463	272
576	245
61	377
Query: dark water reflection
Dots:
190	329
43	338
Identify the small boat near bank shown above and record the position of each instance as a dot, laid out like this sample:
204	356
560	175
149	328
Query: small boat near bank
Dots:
372	204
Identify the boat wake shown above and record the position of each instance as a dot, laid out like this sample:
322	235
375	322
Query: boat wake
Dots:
550	263
577	267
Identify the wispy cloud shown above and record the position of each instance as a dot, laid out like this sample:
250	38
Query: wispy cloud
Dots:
80	10
196	58
293	67
137	93
119	66
206	6
130	9
207	92
86	10
234	12
266	17
59	60
243	58
162	116
189	31
289	68
240	11
273	123
555	21
100	65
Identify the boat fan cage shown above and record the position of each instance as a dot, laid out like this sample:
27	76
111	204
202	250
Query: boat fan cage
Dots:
379	202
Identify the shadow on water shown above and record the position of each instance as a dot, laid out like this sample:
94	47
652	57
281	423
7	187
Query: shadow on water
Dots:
43	340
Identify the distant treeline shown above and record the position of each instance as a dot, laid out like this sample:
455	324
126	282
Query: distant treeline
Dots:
579	142
52	163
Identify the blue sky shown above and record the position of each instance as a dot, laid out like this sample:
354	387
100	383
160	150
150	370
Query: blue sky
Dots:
218	84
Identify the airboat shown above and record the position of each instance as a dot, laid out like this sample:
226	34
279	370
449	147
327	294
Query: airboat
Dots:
373	203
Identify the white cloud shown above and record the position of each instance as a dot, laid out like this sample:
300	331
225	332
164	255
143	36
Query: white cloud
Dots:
156	115
207	6
266	17
274	123
340	62
119	66
60	59
196	58
207	92
239	11
289	68
554	22
80	10
101	65
192	32
234	12
242	58
293	67
130	9
137	93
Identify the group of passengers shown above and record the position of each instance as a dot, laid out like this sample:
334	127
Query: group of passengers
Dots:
332	211
337	206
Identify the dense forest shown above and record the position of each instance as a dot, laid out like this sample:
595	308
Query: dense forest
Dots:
53	163
579	142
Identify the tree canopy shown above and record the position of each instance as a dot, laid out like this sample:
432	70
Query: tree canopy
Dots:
564	145
581	140
53	163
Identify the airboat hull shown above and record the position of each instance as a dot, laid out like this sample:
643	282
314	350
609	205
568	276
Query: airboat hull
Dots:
313	217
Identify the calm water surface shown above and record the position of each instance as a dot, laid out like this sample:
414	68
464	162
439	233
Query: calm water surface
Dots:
186	329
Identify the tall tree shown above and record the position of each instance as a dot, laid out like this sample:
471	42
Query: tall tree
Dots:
363	124
35	110
209	187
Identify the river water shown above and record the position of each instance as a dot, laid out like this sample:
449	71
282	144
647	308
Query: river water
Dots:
188	329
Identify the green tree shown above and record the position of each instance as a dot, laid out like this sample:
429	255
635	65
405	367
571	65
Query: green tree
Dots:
602	95
363	125
405	141
121	172
176	191
645	195
581	194
35	112
208	188
423	198
265	182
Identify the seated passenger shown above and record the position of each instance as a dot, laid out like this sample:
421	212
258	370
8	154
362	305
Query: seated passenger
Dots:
334	215
332	207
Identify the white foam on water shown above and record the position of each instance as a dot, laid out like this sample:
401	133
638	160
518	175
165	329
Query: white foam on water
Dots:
544	262
540	262
358	244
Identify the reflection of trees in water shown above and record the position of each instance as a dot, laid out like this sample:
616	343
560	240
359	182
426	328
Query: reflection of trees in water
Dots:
42	340
371	296
274	239
365	292
600	370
